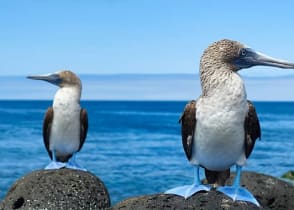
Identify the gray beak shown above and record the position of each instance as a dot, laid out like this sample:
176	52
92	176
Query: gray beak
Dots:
52	78
249	57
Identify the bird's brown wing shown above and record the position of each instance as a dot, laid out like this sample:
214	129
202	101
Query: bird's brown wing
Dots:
252	129
188	121
84	127
47	128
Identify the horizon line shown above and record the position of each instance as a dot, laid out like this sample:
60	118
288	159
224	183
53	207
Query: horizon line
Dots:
155	74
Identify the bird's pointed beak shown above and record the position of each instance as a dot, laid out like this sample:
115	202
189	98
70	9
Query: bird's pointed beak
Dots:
52	78
253	58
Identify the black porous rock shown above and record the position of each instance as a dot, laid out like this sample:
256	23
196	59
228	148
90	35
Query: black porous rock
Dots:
202	201
57	189
271	193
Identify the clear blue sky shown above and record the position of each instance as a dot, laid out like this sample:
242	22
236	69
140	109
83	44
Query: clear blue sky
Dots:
135	36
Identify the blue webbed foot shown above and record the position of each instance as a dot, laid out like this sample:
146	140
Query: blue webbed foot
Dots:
72	164
238	194
55	165
188	190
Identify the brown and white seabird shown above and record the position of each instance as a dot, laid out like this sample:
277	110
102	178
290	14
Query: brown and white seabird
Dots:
65	124
220	128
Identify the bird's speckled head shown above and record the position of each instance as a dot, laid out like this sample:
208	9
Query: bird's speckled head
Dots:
223	52
231	56
223	58
63	78
68	78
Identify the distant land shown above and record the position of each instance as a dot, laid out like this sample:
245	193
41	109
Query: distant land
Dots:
144	87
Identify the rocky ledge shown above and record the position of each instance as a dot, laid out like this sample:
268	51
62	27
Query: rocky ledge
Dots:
57	189
272	193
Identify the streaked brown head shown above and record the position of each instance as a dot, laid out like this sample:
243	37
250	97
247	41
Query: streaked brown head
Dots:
64	78
236	56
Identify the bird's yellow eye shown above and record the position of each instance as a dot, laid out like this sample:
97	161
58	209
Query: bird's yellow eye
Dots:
243	52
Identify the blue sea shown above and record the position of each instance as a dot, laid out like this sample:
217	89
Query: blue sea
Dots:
133	146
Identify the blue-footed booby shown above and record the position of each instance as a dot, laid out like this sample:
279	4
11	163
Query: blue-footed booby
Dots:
65	124
220	128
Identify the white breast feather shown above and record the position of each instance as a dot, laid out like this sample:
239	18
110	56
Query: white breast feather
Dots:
65	131
219	140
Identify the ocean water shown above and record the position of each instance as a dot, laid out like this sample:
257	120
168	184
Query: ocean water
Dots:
134	146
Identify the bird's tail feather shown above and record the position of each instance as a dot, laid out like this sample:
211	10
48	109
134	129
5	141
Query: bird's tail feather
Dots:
63	158
217	178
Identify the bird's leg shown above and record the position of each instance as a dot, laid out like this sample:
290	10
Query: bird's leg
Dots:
196	176
189	190
236	192
55	164
53	156
72	164
237	180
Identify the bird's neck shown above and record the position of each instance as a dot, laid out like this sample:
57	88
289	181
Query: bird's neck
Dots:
221	80
67	97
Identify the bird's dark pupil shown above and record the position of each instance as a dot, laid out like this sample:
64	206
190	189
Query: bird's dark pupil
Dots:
243	52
